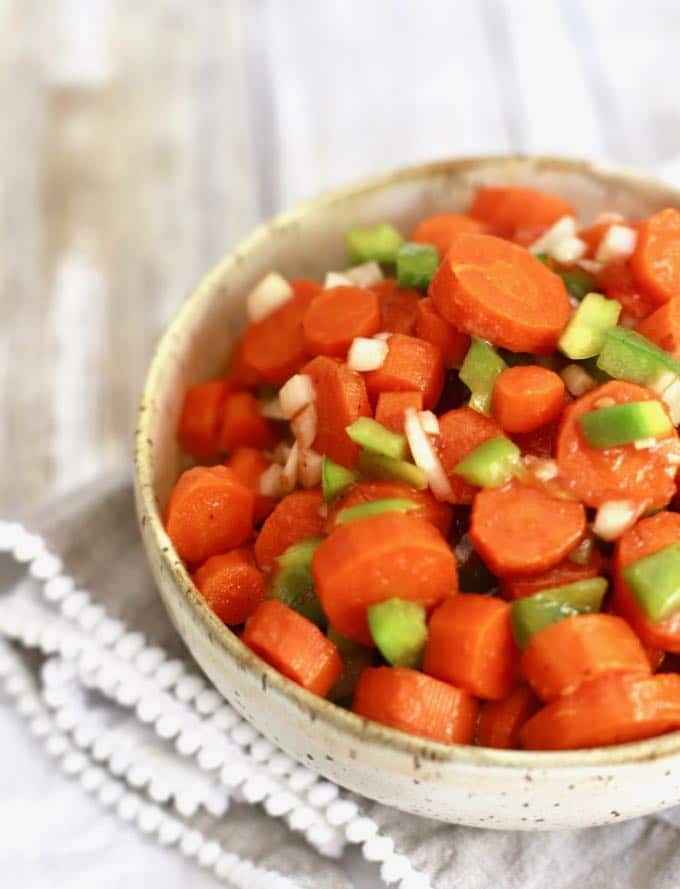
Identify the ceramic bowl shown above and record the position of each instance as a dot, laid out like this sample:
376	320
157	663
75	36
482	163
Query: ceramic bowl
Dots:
465	785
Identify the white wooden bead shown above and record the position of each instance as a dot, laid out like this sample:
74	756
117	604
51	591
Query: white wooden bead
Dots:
92	778
360	830
149	660
378	848
148	708
128	807
149	819
209	854
170	831
58	588
46	566
191	842
168	673
188	687
208	701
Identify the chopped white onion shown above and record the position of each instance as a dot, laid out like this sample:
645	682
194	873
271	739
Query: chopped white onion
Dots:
309	468
662	382
603	402
295	394
289	473
617	244
577	380
541	468
429	421
615	517
364	275
590	266
271	409
645	444
671	398
267	296
568	250
563	228
425	456
383	335
366	354
270	481
303	426
336	279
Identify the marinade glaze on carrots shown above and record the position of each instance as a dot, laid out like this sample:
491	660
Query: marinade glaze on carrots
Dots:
439	487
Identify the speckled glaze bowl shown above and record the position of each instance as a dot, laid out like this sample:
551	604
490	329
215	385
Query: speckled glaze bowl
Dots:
465	785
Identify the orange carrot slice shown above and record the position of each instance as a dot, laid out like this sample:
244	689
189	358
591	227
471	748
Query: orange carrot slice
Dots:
616	281
656	260
500	722
430	326
527	397
460	432
248	464
663	327
297	516
398	306
391	408
336	316
412	365
243	425
516	211
201	418
443	228
231	585
563	573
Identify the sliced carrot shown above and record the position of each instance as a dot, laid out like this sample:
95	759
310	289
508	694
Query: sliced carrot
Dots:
248	464
412	365
608	710
500	722
201	418
209	512
240	372
470	644
593	235
517	211
645	538
527	397
620	473
656	260
337	315
341	398
243	425
231	584
391	408
663	327
540	442
442	228
412	702
460	432
386	556
398	306
427	508
564	655
655	656
491	288
274	348
294	646
520	529
297	516
563	573
616	281
432	327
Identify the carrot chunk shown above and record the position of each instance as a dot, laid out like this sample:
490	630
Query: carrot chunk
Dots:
540	442
248	464
387	556
618	473
663	327
398	306
563	573
209	512
336	316
391	407
443	228
341	399
412	365
608	710
491	288
616	281
294	646
201	418
297	516
412	702
656	260
527	397
520	529
516	211
648	536
243	425
460	432
470	644
430	326
231	585
500	722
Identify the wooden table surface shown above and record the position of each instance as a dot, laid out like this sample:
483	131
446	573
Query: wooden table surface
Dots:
140	140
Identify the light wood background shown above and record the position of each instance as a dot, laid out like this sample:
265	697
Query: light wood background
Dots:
139	140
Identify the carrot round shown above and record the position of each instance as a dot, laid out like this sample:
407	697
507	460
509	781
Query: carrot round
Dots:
294	645
297	516
443	228
620	473
428	508
540	442
248	464
663	327
497	290
231	585
243	425
563	573
564	655
500	722
521	529
412	365
391	408
412	702
336	316
527	397
608	710
460	432
519	212
616	281
209	512
656	260
470	644
645	538
432	327
274	348
398	306
387	556
201	418
341	399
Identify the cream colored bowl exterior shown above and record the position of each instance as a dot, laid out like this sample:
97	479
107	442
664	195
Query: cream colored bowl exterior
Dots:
465	785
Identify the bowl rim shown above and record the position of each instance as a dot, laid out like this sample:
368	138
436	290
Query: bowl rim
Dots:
361	730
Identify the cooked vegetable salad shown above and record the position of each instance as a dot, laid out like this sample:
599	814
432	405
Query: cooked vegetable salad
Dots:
439	487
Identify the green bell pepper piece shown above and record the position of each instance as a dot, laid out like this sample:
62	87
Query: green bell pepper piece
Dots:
292	582
335	478
621	424
416	265
399	631
577	282
535	613
377	466
378	243
491	463
654	581
627	355
374	507
480	368
373	436
584	335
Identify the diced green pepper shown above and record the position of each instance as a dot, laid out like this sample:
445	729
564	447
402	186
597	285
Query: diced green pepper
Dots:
379	243
491	463
479	371
621	424
355	657
335	478
374	507
627	355
577	282
584	335
654	581
416	264
535	613
377	466
399	630
373	436
292	581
